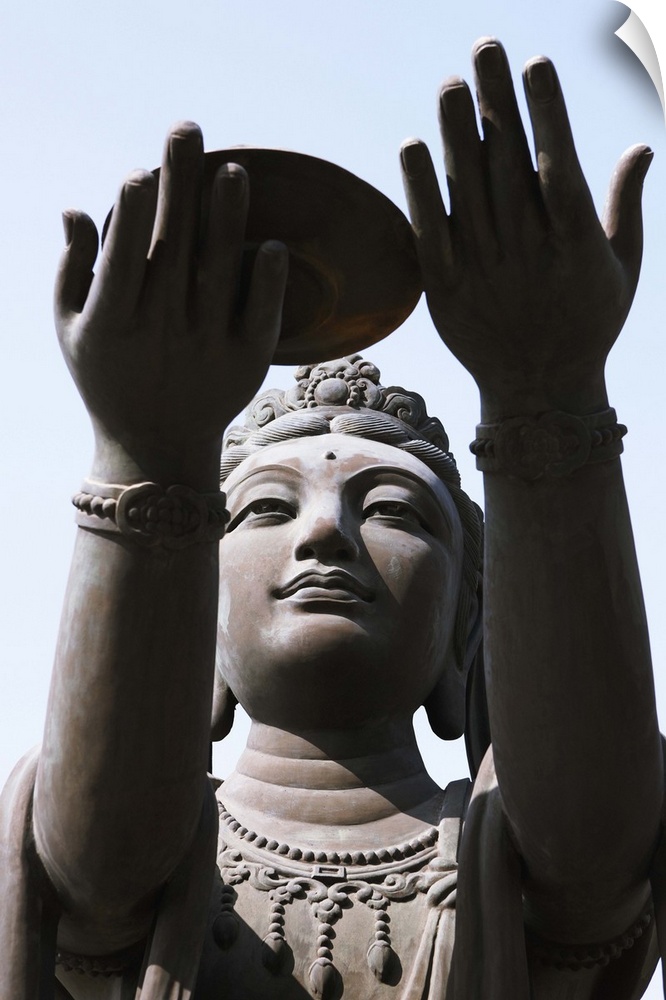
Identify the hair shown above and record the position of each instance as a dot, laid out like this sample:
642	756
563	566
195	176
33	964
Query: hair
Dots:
344	397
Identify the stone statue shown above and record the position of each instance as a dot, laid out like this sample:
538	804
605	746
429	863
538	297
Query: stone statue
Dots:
330	864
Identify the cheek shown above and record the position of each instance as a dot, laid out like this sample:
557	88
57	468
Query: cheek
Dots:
423	581
247	576
412	568
242	618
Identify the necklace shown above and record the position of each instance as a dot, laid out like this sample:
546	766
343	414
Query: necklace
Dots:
329	882
410	851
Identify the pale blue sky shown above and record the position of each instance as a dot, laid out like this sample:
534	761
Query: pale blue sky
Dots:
86	93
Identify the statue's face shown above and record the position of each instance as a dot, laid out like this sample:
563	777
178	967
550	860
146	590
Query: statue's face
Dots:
339	581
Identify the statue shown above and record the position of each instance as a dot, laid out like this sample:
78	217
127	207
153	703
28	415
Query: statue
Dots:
330	864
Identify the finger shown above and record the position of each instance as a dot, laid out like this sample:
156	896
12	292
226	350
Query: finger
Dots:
75	272
262	318
176	232
465	170
430	222
222	252
622	218
564	190
514	190
120	275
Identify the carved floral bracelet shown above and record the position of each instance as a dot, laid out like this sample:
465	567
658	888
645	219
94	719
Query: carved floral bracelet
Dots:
553	444
151	515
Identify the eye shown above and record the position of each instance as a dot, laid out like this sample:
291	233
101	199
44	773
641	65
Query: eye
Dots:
269	507
268	510
395	511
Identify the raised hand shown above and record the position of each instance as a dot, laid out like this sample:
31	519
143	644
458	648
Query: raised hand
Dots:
524	284
161	348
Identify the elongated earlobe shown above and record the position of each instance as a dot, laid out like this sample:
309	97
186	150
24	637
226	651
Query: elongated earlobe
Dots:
224	706
447	704
477	721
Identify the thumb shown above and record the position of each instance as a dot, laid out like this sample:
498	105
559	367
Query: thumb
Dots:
75	272
622	219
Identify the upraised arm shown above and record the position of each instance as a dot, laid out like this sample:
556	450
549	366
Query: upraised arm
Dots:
164	356
530	291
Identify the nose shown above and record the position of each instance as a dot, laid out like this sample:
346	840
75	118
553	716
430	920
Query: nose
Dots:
325	532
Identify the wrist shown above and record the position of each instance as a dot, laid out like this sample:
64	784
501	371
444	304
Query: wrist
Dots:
531	399
197	467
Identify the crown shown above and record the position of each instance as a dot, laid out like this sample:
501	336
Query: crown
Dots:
351	383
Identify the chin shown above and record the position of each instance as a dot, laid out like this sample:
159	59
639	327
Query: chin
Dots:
319	670
341	690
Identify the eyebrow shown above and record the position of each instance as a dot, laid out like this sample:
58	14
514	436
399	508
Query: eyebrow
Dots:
370	471
260	471
392	470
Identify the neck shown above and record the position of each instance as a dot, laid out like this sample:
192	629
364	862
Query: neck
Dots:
357	788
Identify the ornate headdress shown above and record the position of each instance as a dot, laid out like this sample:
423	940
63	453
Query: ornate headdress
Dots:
343	397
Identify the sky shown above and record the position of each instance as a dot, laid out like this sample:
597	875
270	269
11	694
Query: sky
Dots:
87	92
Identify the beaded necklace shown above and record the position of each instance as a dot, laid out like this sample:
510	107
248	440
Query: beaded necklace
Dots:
330	881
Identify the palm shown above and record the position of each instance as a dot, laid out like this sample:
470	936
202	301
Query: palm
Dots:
524	284
160	349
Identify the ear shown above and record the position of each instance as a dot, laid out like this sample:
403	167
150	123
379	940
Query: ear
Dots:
224	706
446	704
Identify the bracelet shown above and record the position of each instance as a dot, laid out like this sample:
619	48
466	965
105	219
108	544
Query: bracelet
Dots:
103	966
587	956
552	444
151	515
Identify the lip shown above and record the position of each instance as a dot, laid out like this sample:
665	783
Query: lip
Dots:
337	585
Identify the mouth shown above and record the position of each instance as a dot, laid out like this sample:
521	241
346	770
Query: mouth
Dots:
337	586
